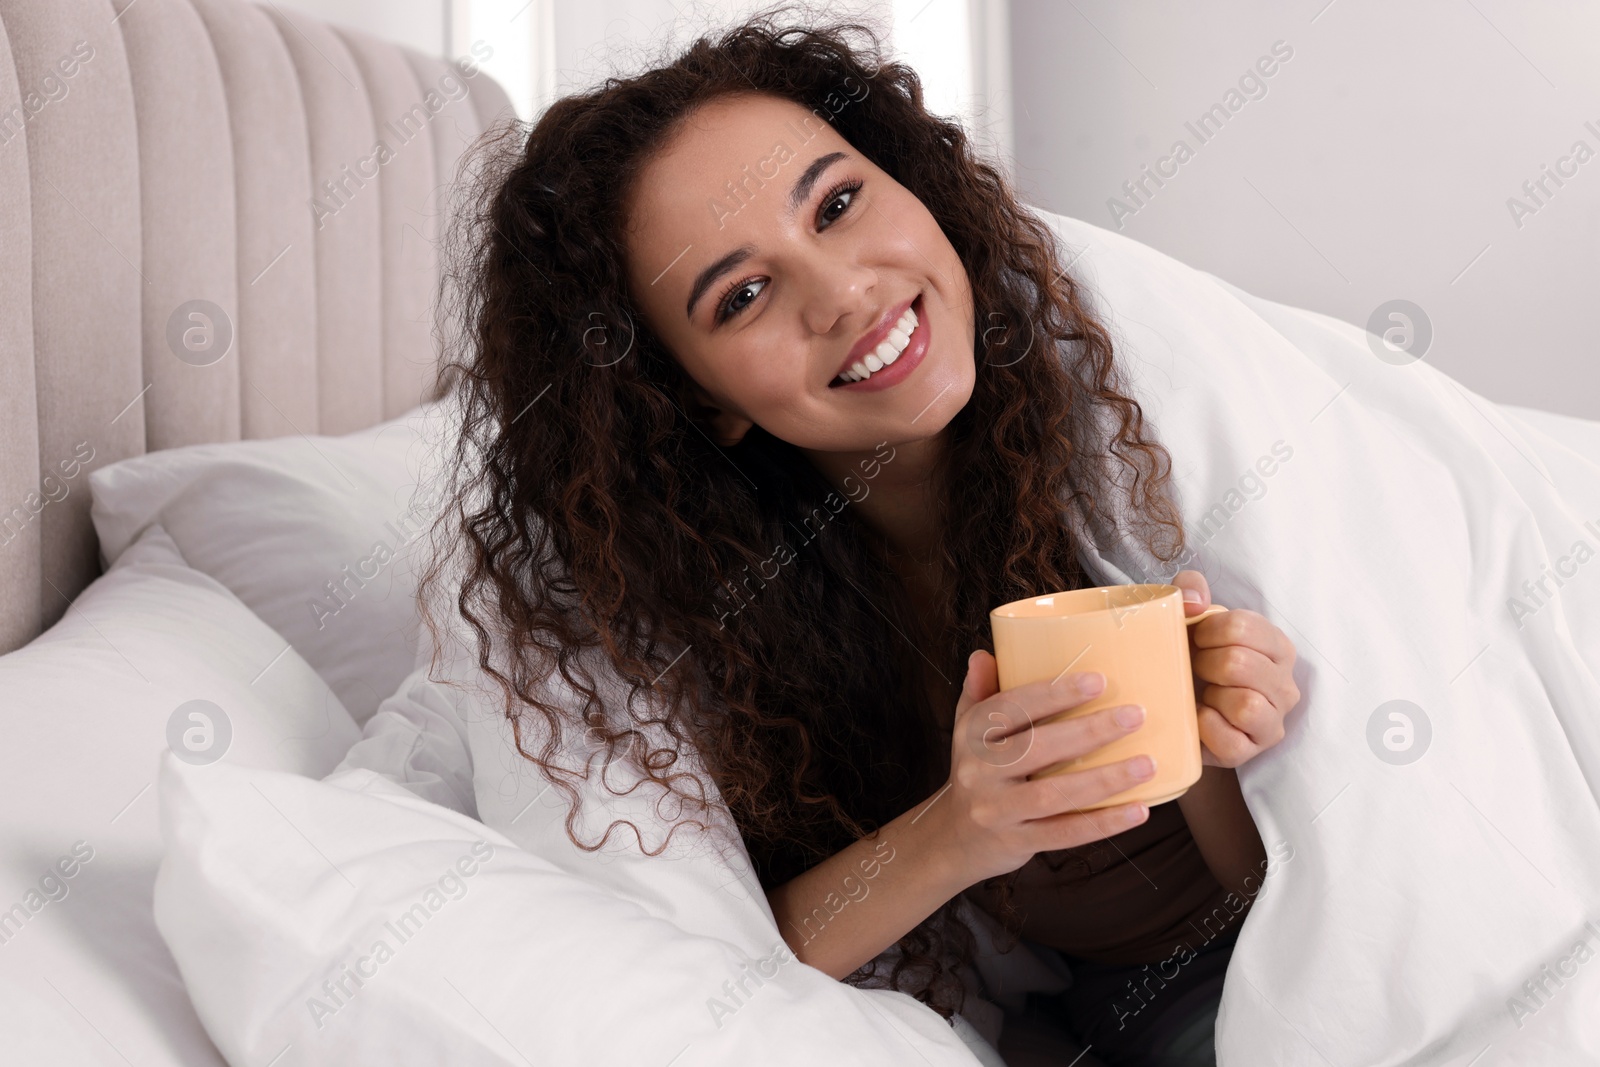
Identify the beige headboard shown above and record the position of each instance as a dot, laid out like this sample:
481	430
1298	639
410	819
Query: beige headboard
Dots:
155	153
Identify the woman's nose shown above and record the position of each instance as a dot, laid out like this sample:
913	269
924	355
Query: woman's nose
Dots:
835	290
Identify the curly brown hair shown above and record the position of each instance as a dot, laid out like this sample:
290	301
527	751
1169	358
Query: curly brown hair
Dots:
591	513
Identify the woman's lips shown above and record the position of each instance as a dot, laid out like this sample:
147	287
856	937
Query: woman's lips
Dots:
902	367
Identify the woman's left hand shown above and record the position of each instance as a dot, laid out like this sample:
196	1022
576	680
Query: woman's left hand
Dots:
1246	665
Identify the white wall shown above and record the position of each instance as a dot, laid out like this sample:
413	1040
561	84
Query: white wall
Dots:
1377	166
603	37
543	48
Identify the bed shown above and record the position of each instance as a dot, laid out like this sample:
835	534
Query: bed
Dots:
227	776
175	272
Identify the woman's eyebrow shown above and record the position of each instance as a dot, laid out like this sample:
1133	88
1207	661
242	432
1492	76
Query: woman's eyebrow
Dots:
797	196
808	178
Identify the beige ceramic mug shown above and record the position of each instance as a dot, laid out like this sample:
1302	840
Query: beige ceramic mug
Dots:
1137	637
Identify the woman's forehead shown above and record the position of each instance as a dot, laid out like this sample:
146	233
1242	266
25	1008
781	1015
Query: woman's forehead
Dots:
746	120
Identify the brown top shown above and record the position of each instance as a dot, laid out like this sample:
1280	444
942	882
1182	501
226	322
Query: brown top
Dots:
1127	899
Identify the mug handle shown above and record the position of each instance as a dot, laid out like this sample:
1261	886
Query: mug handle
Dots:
1190	620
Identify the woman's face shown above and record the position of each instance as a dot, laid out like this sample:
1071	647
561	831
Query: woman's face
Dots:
771	257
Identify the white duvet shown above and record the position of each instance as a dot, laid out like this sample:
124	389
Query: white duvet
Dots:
1432	813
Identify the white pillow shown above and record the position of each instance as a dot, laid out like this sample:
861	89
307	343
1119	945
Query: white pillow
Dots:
315	534
89	705
414	934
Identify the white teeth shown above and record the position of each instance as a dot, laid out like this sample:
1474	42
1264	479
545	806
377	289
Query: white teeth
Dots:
888	350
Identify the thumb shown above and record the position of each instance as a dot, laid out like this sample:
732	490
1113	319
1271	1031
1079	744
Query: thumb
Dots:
1196	591
982	680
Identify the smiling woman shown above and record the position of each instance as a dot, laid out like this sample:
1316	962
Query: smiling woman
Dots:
655	394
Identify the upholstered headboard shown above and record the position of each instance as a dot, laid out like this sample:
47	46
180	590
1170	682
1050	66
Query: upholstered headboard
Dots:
177	176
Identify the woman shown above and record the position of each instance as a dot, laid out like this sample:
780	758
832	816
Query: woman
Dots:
771	391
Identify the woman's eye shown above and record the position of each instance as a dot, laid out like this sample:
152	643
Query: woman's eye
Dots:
842	195
741	296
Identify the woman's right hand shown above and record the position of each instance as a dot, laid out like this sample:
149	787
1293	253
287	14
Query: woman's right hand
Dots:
993	818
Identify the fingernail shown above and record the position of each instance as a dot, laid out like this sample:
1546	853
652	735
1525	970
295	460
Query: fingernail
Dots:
1142	766
1130	716
1092	683
1191	596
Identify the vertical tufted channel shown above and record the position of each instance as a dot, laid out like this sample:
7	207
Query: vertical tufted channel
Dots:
455	124
345	205
83	168
410	265
22	496
190	305
276	326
